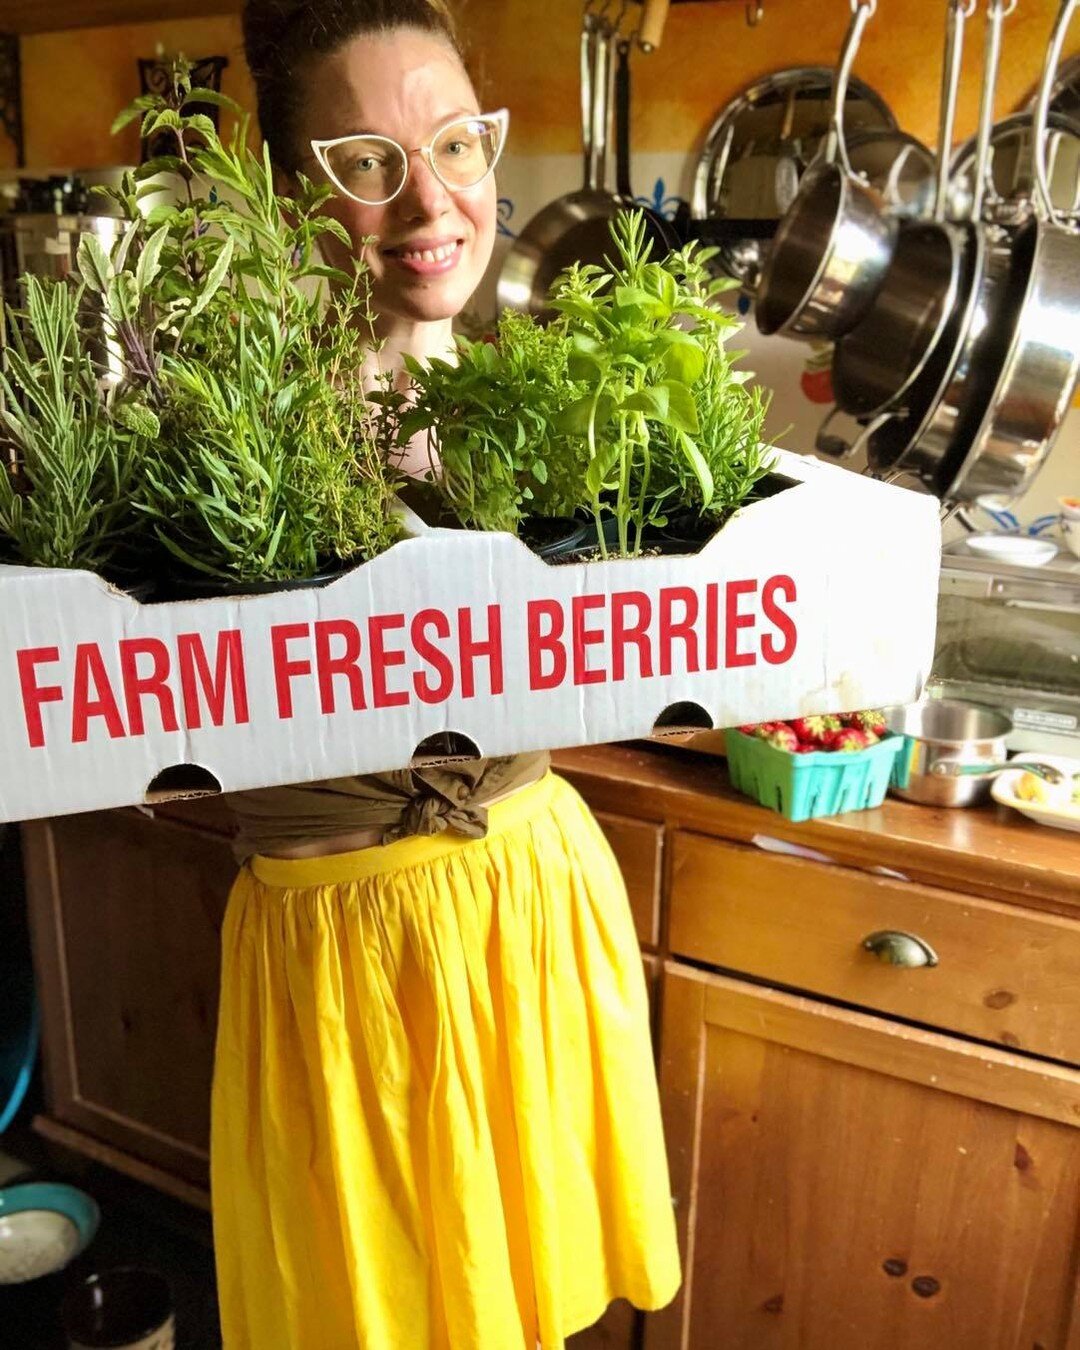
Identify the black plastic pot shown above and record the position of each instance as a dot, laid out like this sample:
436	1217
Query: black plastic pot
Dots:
688	531
188	587
554	537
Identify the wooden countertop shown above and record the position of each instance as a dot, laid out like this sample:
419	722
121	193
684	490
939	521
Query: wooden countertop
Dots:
988	850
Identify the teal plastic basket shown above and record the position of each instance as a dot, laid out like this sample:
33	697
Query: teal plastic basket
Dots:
821	783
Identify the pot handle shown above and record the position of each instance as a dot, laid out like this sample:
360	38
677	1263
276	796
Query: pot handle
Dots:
601	106
956	768
836	447
997	12
1041	117
959	12
835	148
653	17
588	94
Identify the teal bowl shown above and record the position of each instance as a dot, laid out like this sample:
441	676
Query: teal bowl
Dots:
43	1227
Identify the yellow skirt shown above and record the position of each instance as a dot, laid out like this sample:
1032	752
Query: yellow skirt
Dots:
435	1116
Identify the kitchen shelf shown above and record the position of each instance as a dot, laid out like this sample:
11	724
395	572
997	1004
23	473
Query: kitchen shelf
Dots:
44	16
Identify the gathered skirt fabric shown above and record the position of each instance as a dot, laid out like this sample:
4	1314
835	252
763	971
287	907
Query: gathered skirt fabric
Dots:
435	1114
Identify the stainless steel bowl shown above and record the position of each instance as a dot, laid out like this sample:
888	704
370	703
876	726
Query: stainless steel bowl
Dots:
946	731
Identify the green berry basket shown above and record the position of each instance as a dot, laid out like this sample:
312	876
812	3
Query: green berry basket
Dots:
820	783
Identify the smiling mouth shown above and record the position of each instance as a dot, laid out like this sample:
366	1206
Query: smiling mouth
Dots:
426	255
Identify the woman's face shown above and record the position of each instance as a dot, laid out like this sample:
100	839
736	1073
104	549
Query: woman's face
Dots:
405	84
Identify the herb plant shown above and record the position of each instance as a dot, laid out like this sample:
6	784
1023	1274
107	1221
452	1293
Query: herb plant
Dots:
627	405
492	416
664	412
68	461
261	459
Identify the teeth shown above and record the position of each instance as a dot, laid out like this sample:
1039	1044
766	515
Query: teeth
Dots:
429	254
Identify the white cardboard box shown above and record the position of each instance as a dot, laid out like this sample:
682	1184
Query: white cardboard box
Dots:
821	598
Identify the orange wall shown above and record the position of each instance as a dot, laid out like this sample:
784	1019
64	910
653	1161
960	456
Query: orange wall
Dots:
525	55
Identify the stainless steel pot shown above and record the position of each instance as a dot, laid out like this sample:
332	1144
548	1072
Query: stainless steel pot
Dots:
1038	370
835	241
878	360
946	732
958	378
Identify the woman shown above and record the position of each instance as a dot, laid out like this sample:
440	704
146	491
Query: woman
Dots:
435	1114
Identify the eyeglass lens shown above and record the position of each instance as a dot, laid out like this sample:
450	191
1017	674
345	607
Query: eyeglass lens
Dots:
372	169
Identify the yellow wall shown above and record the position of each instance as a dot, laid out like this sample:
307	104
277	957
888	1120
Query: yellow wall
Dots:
525	55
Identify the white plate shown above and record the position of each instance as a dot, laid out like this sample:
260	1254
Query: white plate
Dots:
1058	818
1021	549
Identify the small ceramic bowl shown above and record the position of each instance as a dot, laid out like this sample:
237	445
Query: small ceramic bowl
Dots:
43	1226
1020	549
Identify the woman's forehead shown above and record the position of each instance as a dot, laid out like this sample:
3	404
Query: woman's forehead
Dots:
404	84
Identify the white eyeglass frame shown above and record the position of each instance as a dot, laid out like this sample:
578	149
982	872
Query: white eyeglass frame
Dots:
320	150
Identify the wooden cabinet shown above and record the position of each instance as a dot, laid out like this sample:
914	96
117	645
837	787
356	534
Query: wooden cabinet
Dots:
126	916
846	1183
864	1156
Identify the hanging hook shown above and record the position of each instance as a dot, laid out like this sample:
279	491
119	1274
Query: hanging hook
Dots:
755	12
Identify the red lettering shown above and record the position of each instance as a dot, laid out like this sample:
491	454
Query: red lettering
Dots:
469	650
286	669
585	638
91	676
636	632
34	694
712	626
683	630
735	621
427	651
195	676
347	664
381	660
774	654
154	684
545	638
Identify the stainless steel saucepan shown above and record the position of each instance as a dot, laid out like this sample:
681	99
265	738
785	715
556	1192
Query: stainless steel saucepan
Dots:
576	226
876	362
835	241
946	732
1040	363
959	377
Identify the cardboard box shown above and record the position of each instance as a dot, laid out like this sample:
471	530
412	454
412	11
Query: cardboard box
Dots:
821	598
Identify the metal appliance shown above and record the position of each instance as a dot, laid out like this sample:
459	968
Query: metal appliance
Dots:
1009	639
45	242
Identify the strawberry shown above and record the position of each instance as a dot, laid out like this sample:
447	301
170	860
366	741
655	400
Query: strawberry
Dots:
760	729
813	730
870	720
848	739
783	738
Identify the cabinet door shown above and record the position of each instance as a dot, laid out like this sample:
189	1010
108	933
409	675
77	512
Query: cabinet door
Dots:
126	914
844	1182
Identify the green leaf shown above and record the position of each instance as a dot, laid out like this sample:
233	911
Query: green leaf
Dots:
576	419
682	410
219	100
201	125
167	118
697	462
138	417
214	279
683	359
149	263
123	119
93	263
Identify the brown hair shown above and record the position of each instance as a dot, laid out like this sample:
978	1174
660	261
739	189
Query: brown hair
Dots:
281	36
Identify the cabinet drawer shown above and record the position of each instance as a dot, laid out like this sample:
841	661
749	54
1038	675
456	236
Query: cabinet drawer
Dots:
1005	974
636	845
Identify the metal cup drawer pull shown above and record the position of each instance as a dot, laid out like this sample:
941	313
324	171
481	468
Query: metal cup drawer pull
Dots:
895	948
